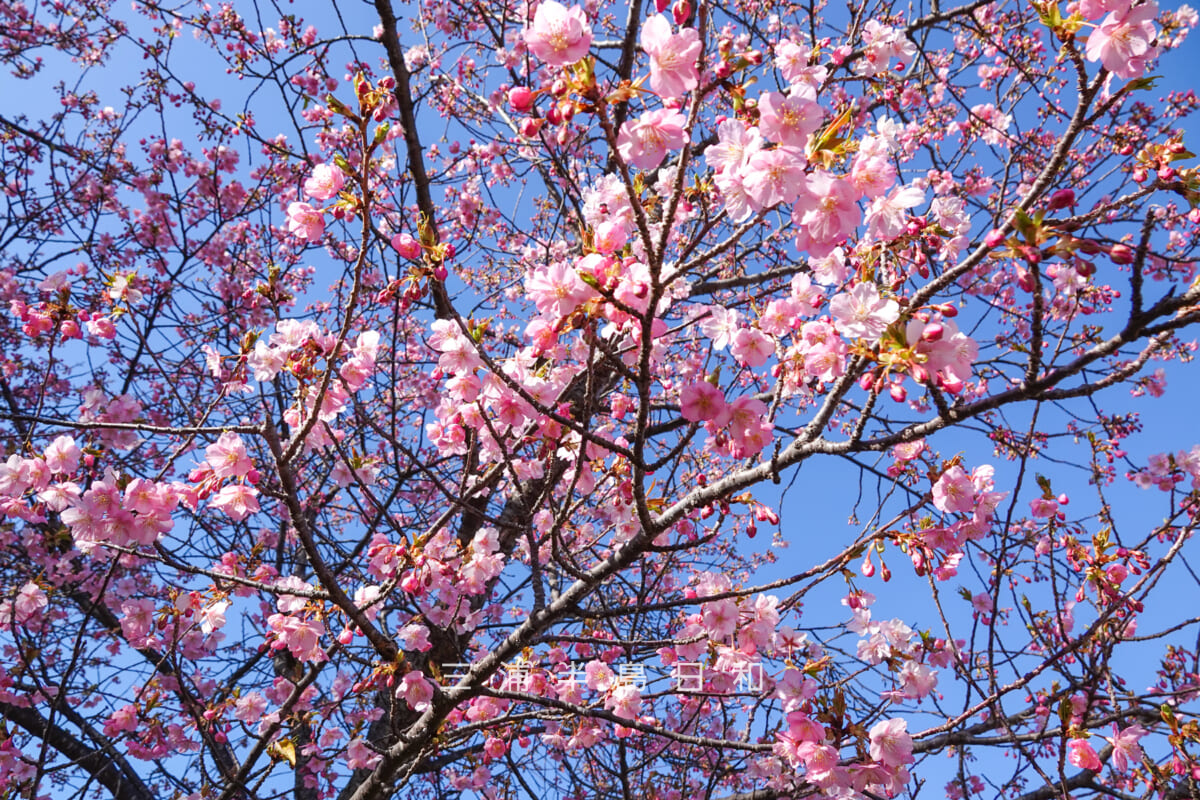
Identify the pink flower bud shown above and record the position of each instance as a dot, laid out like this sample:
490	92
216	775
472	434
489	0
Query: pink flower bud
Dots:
1121	254
1024	280
520	98
994	238
952	385
530	127
406	245
1063	198
681	11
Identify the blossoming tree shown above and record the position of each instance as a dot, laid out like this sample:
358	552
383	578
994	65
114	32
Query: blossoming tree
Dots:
438	400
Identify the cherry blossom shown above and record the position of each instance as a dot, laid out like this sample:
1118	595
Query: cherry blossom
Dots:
1122	41
325	182
558	35
673	70
305	222
645	142
862	313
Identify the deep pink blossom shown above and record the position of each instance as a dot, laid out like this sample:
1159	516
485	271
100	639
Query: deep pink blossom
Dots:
700	401
1083	755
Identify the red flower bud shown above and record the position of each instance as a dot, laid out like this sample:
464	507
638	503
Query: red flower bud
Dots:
1063	198
1121	254
521	99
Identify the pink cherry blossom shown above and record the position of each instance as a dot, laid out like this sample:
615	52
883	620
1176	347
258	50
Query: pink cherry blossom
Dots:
28	604
557	289
788	120
227	457
872	174
720	619
735	195
886	217
1083	755
1122	42
250	707
862	313
825	214
558	36
305	222
774	176
416	689
624	700
673	57
735	144
752	347
326	181
700	401
644	142
890	743
237	500
954	491
883	42
1125	746
62	456
359	755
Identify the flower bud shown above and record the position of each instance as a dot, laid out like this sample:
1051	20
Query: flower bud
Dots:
406	245
1063	198
530	127
1121	254
520	98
